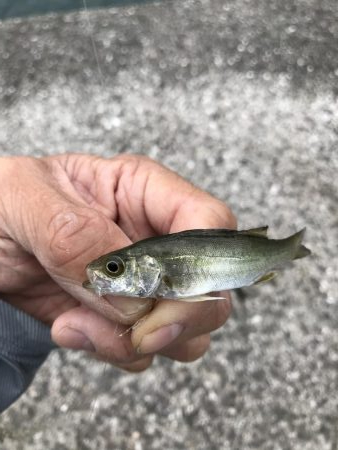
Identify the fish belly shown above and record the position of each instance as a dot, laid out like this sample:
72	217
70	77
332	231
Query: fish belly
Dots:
209	275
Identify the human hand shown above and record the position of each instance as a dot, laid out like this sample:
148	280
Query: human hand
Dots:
58	213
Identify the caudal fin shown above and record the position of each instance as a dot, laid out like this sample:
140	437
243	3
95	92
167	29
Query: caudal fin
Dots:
300	250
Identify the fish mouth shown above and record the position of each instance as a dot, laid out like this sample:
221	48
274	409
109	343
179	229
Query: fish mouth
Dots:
90	284
95	283
100	291
99	284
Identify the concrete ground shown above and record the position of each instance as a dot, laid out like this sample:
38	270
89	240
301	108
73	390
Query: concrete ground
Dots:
241	98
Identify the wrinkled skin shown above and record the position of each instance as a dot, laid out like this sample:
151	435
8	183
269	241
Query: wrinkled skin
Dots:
59	213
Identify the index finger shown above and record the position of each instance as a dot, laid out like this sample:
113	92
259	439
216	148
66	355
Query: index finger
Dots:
153	199
172	204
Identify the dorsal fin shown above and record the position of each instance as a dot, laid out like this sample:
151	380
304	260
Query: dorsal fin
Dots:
209	232
219	232
261	232
205	233
214	232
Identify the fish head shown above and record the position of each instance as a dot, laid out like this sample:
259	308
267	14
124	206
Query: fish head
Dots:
122	274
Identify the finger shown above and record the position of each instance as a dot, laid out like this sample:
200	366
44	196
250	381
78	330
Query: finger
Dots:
62	232
188	351
144	183
175	321
179	206
93	180
83	329
138	366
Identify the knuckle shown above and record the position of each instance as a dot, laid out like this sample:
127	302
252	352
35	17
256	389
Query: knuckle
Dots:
116	355
223	215
121	353
129	164
125	357
133	158
71	234
127	353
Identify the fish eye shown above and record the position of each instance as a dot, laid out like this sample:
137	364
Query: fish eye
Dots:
115	266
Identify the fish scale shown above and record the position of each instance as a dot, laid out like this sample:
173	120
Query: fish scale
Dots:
190	264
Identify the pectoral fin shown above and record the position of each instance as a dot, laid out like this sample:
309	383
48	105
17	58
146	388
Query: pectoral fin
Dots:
266	277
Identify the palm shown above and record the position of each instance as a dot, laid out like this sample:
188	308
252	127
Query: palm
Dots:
118	190
59	213
31	288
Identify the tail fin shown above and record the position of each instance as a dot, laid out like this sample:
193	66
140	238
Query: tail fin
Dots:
300	250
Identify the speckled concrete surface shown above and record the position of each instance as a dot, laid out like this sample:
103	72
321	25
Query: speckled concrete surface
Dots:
241	98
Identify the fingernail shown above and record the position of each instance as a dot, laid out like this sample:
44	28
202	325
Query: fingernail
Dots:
76	340
129	306
160	338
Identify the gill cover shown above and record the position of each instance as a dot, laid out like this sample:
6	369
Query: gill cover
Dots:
149	275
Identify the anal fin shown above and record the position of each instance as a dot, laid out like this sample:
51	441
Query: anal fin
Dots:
266	277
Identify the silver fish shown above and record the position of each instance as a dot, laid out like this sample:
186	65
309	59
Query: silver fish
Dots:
190	264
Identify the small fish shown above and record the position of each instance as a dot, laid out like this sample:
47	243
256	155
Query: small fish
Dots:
188	265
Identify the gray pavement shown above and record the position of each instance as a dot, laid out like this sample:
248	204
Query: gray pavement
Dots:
241	98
